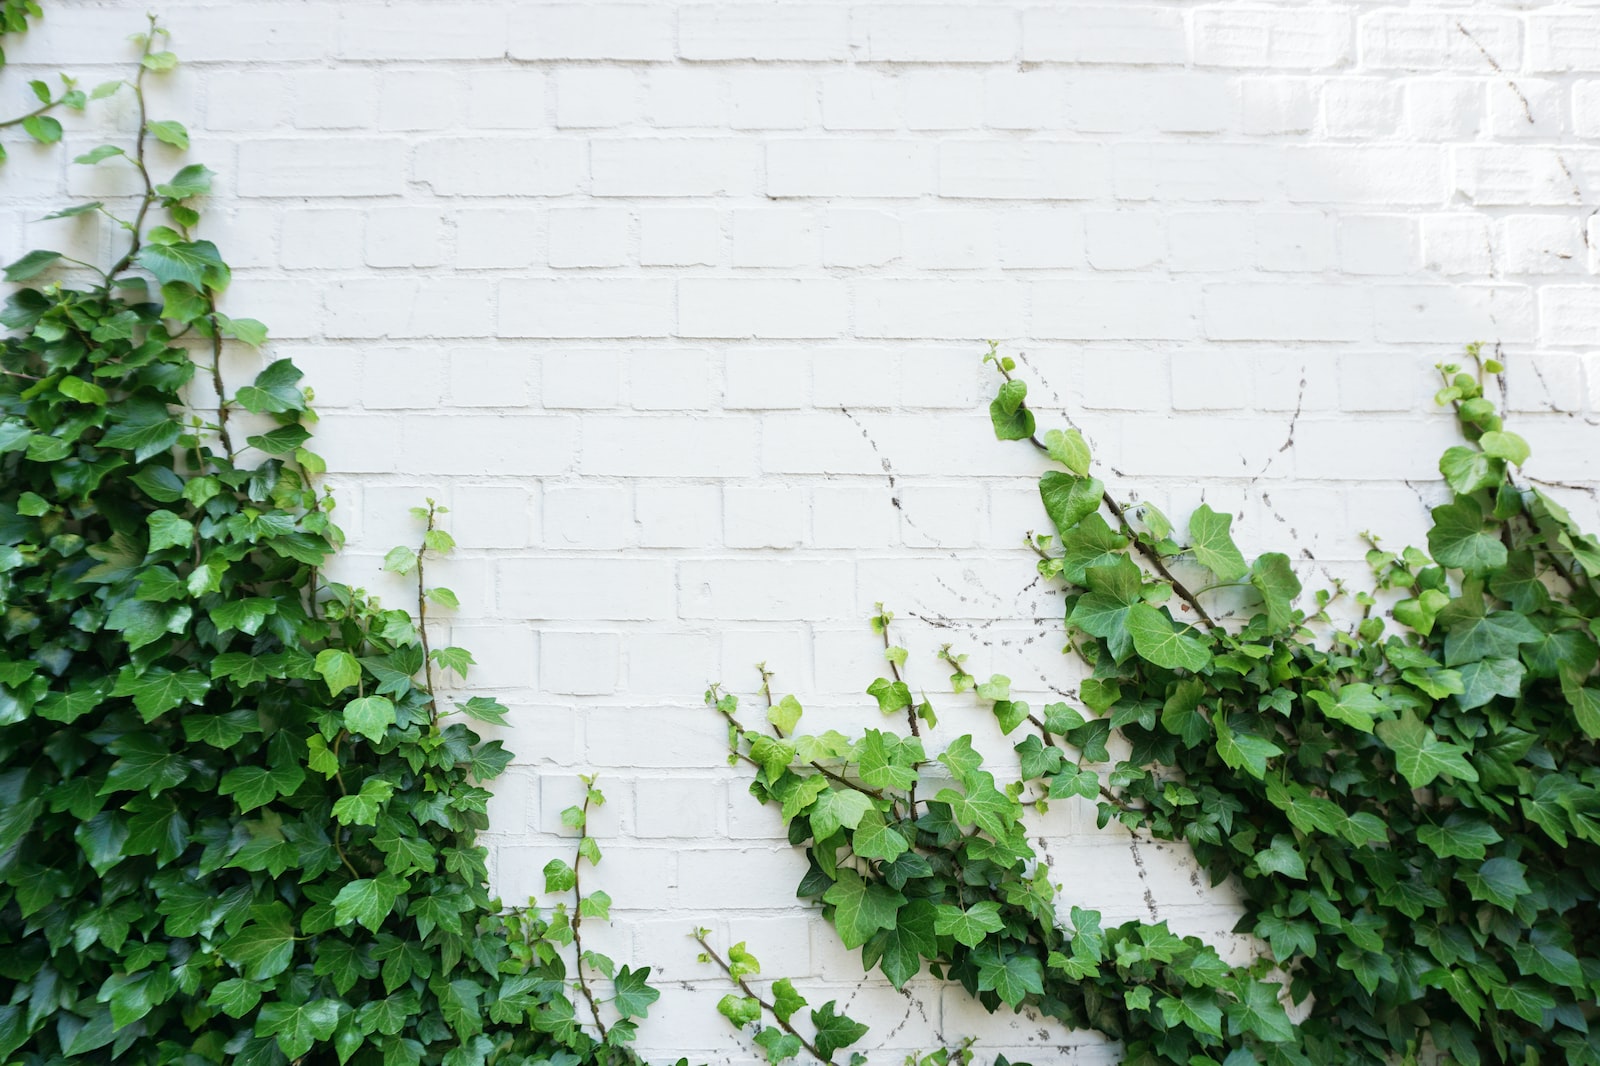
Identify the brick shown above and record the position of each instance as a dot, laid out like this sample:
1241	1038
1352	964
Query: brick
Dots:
495	516
941	34
589	237
321	168
938	308
751	307
1040	238
1513	176
678	446
948	240
1457	244
511	372
766	380
1198	171
772	100
857	238
673	515
1377	244
497	237
246	101
1559	42
948	98
742	31
1035	170
322	237
335	99
774	237
571	588
415	31
581	380
1438	40
579	664
1293	241
401	306
849	168
1032	99
1425	312
1286	40
478	445
680	236
1124	240
586	307
1277	105
1247	311
1443	109
1365	175
597	97
681	167
861	99
505	99
592	31
1146	36
755	516
462	166
1111	310
685	97
1368	108
597	516
421	100
766	589
1543	244
404	236
1569	315
238	33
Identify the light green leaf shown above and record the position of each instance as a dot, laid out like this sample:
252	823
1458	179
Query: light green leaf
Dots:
1213	546
1501	444
1157	640
1069	449
968	926
1458	537
370	716
338	668
1419	755
861	908
1068	499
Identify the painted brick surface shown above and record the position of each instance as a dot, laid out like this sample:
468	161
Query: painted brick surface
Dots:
678	306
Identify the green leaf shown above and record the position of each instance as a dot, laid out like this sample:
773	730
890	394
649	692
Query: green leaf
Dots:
632	994
1483	681
195	263
968	926
1273	577
280	441
861	908
255	786
263	948
1068	499
173	133
1499	881
366	901
558	876
1458	537
1012	977
1158	641
400	560
1474	635
785	714
884	761
1197	1009
1011	418
298	1026
875	839
1419	755
1281	857
785	1000
777	1044
339	669
167	530
42	128
1355	705
1500	444
1069	449
158	690
834	1031
1213	546
144	763
192	180
1243	751
235	997
1466	470
370	716
739	1010
836	808
1092	542
891	695
31	265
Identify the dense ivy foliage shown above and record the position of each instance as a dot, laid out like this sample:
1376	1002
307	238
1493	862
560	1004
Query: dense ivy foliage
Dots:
236	824
1408	803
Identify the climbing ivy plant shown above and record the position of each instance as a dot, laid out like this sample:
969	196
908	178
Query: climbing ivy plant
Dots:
237	823
1408	803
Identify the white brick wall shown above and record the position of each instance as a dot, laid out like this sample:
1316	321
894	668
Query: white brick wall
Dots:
678	306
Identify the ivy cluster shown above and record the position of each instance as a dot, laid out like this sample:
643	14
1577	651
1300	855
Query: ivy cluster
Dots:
1409	803
236	823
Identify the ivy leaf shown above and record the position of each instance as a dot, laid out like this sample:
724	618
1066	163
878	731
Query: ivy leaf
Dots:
777	1044
235	997
739	1010
192	180
874	839
1069	449
370	717
899	950
263	948
158	690
1474	635
1012	977
1484	680
1196	1009
1213	546
367	901
884	761
1012	420
173	133
785	714
31	265
1466	470
1157	640
1281	857
1092	542
1355	705
280	441
298	1026
1273	577
195	263
1243	751
255	786
836	808
1419	755
785	1000
891	695
968	926
861	908
339	669
1068	499
144	763
632	994
1458	537
834	1031
1499	881
1501	444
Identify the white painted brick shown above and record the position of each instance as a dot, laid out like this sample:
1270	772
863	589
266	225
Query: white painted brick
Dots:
421	100
589	237
240	101
778	99
1293	241
1493	176
677	516
460	166
669	665
750	307
1273	105
1586	108
854	377
1282	39
1561	41
766	589
415	31
763	517
748	31
322	237
581	380
1569	315
774	237
404	237
1368	108
1365	175
1440	109
1040	237
679	167
1111	34
579	664
400	306
1438	40
680	446
849	168
1030	99
1543	244
588	516
597	97
1457	243
1124	240
975	309
858	238
1146	309
495	516
948	240
680	236
592	31
668	381
686	96
493	237
569	588
335	99
1377	244
851	516
928	33
241	32
586	307
1513	104
1007	170
321	168
484	445
1199	172
943	99
1249	311
766	380
505	99
1482	312
861	99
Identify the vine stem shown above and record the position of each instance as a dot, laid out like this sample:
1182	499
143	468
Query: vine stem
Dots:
748	991
577	914
50	105
818	767
422	627
1152	556
911	708
137	225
